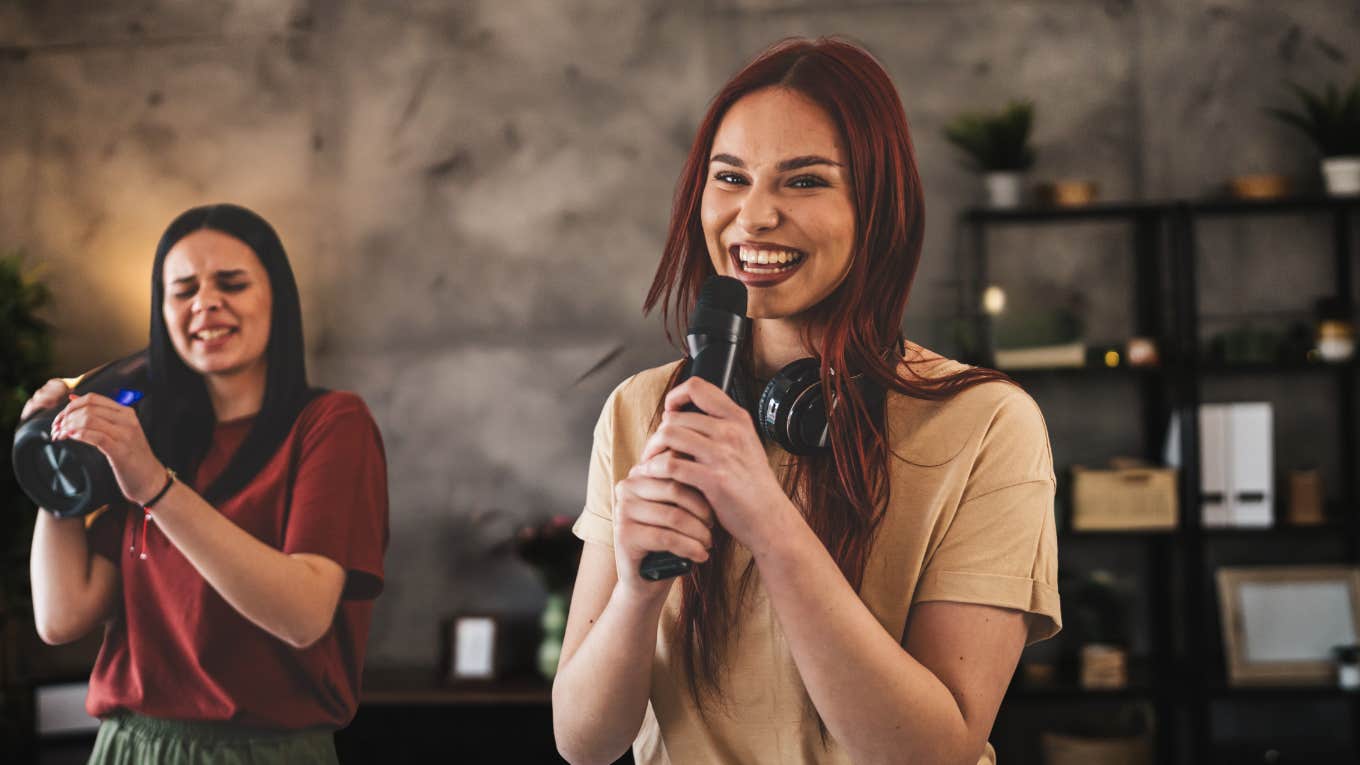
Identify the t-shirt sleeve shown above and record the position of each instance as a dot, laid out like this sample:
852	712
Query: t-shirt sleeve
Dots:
339	501
596	522
1001	547
104	531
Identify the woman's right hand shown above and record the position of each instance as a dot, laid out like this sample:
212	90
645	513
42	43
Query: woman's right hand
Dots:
51	394
657	514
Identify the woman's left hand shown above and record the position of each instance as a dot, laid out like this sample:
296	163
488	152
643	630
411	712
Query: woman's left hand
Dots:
114	430
728	466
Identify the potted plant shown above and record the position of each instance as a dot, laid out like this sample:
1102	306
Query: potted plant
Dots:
25	356
1331	120
997	144
552	550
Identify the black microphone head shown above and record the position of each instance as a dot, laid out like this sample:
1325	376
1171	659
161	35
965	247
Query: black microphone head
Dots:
723	293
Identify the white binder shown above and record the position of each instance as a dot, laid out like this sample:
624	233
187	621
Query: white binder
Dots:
1237	465
1215	486
1252	465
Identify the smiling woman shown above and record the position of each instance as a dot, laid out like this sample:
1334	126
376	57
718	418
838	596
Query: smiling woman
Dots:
774	217
237	581
864	600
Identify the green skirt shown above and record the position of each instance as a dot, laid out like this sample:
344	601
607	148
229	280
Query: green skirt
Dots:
129	739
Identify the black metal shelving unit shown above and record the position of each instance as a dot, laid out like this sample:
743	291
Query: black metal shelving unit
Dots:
1184	673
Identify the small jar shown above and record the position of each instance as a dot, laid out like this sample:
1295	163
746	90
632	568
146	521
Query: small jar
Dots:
1335	340
1348	667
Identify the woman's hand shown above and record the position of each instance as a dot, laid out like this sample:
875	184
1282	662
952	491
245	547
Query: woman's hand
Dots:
717	452
654	515
49	396
114	430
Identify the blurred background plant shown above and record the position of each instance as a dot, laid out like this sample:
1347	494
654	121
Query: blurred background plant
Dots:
995	141
1329	117
552	550
25	364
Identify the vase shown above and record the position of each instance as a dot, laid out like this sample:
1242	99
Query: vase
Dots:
1341	175
554	623
1003	188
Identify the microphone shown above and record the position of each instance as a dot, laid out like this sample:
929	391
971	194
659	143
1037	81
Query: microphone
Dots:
715	334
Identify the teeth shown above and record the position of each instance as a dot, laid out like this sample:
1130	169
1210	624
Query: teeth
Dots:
751	255
213	334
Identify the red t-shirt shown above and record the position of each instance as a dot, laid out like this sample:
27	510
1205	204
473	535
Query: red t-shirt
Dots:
176	650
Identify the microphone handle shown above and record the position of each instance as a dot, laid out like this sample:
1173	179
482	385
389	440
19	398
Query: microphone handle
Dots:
656	566
663	565
713	363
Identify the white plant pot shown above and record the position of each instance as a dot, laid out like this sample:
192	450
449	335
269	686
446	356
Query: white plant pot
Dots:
1341	175
1003	188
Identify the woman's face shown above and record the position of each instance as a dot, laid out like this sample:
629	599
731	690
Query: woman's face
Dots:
217	303
776	211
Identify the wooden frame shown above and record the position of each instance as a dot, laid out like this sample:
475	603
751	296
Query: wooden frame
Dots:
1281	622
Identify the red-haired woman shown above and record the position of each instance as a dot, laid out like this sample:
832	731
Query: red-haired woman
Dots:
866	602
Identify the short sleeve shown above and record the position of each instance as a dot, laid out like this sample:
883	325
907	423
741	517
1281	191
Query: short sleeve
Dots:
596	522
339	500
104	531
1001	548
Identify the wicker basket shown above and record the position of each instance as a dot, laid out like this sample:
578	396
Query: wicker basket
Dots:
1129	499
1060	749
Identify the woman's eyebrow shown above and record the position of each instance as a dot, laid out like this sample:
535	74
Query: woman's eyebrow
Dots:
224	274
784	166
806	160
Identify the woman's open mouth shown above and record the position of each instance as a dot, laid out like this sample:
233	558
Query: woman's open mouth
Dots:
765	265
213	337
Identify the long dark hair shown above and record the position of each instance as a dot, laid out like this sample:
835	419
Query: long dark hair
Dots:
180	421
843	493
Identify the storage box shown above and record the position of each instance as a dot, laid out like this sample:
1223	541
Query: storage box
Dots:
1128	499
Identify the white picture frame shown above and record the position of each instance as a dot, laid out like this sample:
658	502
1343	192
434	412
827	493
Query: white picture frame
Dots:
473	648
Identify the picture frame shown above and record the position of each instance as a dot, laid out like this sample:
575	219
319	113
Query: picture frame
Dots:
472	648
1280	623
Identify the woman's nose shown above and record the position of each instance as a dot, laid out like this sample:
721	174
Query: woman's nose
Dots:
758	211
207	299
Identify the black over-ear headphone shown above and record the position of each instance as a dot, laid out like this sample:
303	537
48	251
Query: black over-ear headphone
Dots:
792	410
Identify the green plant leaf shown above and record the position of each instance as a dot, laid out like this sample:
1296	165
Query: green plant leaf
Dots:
995	141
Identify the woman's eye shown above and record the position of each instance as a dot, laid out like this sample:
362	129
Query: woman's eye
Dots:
182	294
727	177
237	287
807	182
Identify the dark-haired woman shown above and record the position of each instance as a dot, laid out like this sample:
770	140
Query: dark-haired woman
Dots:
867	603
238	584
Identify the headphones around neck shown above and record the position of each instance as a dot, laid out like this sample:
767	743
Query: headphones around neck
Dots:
792	410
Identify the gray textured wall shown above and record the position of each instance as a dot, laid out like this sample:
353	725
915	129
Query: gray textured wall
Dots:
474	193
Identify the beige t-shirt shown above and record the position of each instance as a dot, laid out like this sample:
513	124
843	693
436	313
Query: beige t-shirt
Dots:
970	520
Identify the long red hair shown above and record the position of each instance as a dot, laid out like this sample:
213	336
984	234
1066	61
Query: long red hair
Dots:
842	493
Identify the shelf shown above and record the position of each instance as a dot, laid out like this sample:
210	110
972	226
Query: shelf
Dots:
1219	368
421	686
1286	205
1331	528
1133	209
1086	371
1169	300
1139	535
1283	692
1066	692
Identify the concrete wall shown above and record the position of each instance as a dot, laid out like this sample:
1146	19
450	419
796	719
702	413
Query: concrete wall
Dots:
474	194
